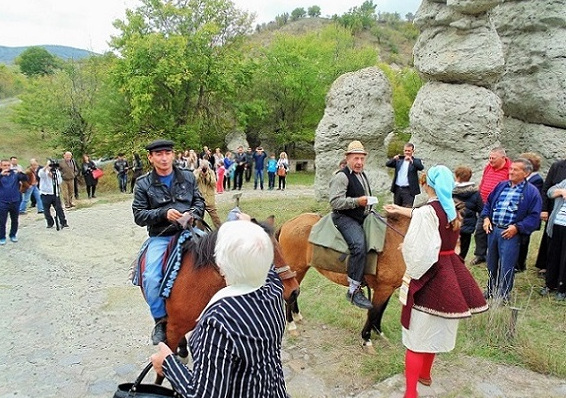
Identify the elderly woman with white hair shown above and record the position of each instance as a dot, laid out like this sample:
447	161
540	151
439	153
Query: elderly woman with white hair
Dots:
236	345
438	289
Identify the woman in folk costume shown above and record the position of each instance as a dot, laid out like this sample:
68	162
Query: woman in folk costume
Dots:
438	290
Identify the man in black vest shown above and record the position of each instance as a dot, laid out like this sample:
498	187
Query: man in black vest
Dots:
349	191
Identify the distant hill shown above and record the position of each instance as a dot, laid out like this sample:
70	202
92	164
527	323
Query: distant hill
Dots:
9	54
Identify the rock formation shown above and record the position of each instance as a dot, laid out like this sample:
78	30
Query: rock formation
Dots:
496	73
456	117
358	107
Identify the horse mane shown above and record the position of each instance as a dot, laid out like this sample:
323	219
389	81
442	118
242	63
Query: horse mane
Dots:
202	248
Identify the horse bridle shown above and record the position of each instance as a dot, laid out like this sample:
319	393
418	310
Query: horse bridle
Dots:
285	272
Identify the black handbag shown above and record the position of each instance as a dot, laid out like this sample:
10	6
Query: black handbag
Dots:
139	390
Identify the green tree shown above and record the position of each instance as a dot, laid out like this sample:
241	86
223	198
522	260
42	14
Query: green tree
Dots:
314	11
36	61
11	82
405	85
179	66
286	98
298	13
359	18
64	105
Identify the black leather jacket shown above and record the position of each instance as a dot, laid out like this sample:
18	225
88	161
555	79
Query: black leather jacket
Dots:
152	199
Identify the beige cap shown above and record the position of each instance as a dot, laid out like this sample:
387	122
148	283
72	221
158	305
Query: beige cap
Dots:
356	147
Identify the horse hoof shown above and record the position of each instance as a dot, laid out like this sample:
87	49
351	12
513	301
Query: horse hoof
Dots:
297	317
294	333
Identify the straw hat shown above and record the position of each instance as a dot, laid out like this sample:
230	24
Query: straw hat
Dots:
356	147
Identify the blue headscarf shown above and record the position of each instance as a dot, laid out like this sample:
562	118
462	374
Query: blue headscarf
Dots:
440	178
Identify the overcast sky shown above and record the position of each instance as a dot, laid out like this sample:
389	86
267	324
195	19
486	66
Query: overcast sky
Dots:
88	24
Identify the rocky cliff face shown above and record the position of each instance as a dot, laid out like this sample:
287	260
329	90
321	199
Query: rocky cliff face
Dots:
496	74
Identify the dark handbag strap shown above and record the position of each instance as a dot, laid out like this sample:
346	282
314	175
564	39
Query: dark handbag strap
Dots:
142	375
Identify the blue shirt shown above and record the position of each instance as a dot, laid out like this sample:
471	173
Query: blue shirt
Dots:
271	166
507	204
167	180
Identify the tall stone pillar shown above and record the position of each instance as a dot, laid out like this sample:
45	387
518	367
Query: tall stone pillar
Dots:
456	116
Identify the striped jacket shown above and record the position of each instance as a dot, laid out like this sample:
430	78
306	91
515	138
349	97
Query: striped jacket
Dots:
236	348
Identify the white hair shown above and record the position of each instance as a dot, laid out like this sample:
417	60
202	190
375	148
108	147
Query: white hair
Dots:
244	253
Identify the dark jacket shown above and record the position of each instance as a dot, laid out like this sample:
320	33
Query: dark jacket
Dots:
556	173
528	213
152	200
10	186
470	195
413	175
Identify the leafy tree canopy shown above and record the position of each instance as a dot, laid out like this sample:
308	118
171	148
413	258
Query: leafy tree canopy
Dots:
179	64
314	11
36	61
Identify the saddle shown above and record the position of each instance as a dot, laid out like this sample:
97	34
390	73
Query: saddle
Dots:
171	260
330	250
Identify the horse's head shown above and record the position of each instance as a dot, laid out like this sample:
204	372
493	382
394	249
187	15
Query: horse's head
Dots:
291	287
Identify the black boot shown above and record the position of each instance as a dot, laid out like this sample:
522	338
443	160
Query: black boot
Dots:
359	300
159	331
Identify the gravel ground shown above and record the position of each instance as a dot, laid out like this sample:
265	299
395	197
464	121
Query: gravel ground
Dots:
73	326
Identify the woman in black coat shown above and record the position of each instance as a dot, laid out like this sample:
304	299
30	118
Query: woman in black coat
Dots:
466	192
87	168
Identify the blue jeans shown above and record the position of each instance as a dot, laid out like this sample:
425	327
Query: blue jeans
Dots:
123	182
502	256
258	175
12	209
353	234
271	177
32	190
153	275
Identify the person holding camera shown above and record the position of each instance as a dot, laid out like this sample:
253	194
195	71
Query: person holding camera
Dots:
206	182
49	188
161	198
259	159
405	185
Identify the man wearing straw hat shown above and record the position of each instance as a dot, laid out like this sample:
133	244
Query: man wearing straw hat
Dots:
349	192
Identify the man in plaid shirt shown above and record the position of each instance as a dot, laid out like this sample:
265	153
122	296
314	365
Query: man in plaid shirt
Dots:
512	208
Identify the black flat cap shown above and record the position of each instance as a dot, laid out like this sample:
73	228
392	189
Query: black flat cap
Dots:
160	145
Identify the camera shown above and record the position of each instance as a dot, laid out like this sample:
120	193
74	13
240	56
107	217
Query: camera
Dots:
53	163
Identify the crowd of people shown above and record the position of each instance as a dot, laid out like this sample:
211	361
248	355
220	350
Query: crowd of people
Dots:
511	201
233	169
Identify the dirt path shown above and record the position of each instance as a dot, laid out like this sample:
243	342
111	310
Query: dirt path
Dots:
73	326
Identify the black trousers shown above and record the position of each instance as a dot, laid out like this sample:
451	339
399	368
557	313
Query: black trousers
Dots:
465	240
480	238
402	197
556	269
55	201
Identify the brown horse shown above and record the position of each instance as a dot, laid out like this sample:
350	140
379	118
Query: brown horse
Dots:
199	279
293	238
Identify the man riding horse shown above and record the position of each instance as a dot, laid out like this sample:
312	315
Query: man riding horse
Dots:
349	192
161	198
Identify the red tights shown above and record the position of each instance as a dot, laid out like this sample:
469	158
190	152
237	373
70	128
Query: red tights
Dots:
417	365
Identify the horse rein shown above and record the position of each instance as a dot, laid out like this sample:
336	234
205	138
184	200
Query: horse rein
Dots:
383	220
